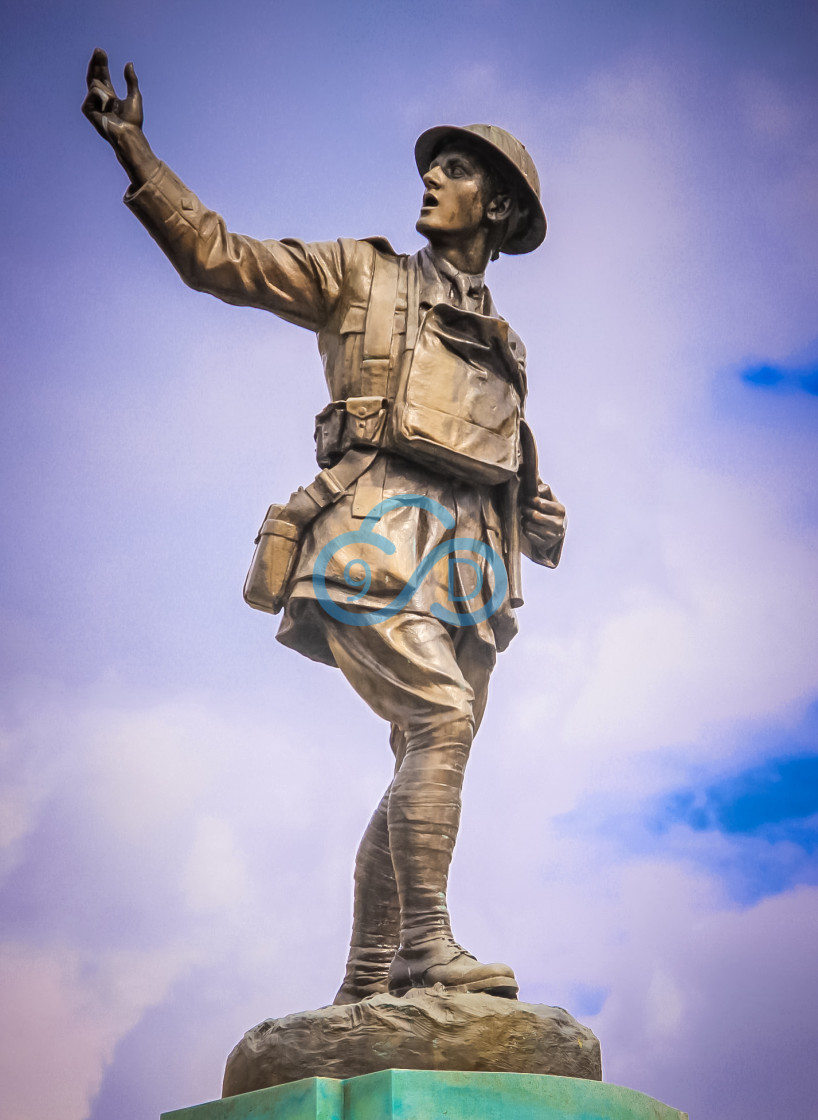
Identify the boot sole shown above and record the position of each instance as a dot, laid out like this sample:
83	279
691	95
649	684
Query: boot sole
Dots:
491	986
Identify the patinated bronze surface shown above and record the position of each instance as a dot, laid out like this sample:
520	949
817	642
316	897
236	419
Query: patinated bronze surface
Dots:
423	440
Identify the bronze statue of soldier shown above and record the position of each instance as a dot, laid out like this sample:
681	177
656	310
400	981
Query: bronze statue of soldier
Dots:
425	426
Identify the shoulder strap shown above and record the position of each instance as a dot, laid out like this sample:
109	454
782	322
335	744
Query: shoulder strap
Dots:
380	325
412	301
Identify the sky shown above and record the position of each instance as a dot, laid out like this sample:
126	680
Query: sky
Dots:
181	796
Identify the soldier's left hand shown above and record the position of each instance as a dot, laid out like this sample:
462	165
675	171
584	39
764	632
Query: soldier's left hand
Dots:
544	518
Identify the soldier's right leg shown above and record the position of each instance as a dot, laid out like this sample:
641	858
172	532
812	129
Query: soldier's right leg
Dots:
407	670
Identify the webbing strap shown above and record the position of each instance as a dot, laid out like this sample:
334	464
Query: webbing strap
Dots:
401	322
328	486
380	325
412	303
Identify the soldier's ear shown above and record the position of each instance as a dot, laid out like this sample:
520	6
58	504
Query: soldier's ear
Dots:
499	209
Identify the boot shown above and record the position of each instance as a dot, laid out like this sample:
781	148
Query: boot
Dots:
423	817
376	914
443	961
367	974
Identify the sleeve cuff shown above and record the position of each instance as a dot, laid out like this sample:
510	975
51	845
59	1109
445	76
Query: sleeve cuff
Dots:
132	193
164	194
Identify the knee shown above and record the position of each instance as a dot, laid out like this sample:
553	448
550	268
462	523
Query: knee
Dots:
452	714
437	752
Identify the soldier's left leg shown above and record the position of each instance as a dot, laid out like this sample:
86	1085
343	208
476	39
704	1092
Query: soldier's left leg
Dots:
375	913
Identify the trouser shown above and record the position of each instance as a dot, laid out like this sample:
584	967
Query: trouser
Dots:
430	682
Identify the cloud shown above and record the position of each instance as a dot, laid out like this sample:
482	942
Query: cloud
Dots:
696	995
717	624
64	1013
216	874
746	866
688	567
699	1000
170	836
744	978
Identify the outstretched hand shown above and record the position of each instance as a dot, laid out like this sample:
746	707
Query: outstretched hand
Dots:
110	116
544	518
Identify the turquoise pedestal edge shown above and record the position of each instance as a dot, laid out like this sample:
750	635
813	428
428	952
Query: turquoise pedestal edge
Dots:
414	1094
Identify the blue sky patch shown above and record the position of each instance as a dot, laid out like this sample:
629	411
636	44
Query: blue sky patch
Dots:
778	791
588	999
780	379
758	827
777	396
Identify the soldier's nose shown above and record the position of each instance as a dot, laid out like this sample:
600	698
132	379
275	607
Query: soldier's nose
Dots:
432	177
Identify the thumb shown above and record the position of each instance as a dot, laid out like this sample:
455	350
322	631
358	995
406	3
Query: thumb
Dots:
131	82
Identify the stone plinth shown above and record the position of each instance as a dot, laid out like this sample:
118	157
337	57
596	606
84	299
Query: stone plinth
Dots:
399	1094
427	1029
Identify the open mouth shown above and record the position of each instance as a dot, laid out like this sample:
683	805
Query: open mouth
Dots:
429	201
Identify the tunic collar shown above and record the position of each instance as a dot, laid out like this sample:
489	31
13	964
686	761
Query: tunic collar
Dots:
443	283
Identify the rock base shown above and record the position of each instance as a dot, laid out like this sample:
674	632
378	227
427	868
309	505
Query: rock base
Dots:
427	1029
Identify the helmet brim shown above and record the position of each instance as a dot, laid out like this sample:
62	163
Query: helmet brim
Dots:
531	233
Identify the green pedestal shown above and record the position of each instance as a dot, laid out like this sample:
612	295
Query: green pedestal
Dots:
409	1094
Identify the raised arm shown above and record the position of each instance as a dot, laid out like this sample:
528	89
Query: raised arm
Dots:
299	282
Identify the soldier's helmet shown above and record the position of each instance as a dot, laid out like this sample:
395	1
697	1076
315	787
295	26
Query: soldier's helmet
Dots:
511	159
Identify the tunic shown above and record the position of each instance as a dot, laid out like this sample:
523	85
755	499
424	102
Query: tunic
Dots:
322	287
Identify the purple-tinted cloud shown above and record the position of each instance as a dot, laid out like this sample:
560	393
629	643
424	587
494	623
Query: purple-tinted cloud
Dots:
181	797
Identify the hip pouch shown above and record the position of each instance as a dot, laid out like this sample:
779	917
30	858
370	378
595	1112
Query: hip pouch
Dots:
273	561
459	400
279	539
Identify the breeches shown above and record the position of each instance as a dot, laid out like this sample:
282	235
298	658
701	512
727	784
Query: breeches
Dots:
431	684
415	672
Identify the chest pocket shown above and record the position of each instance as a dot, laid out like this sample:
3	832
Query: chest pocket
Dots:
371	328
351	331
458	405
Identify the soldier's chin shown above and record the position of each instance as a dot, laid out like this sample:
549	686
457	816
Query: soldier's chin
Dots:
426	223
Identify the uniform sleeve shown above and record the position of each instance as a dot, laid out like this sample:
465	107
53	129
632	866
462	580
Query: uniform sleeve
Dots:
300	282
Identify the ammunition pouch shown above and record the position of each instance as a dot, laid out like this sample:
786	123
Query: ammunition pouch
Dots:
329	431
365	421
342	425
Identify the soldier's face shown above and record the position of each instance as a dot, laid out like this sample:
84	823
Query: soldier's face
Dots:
455	199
